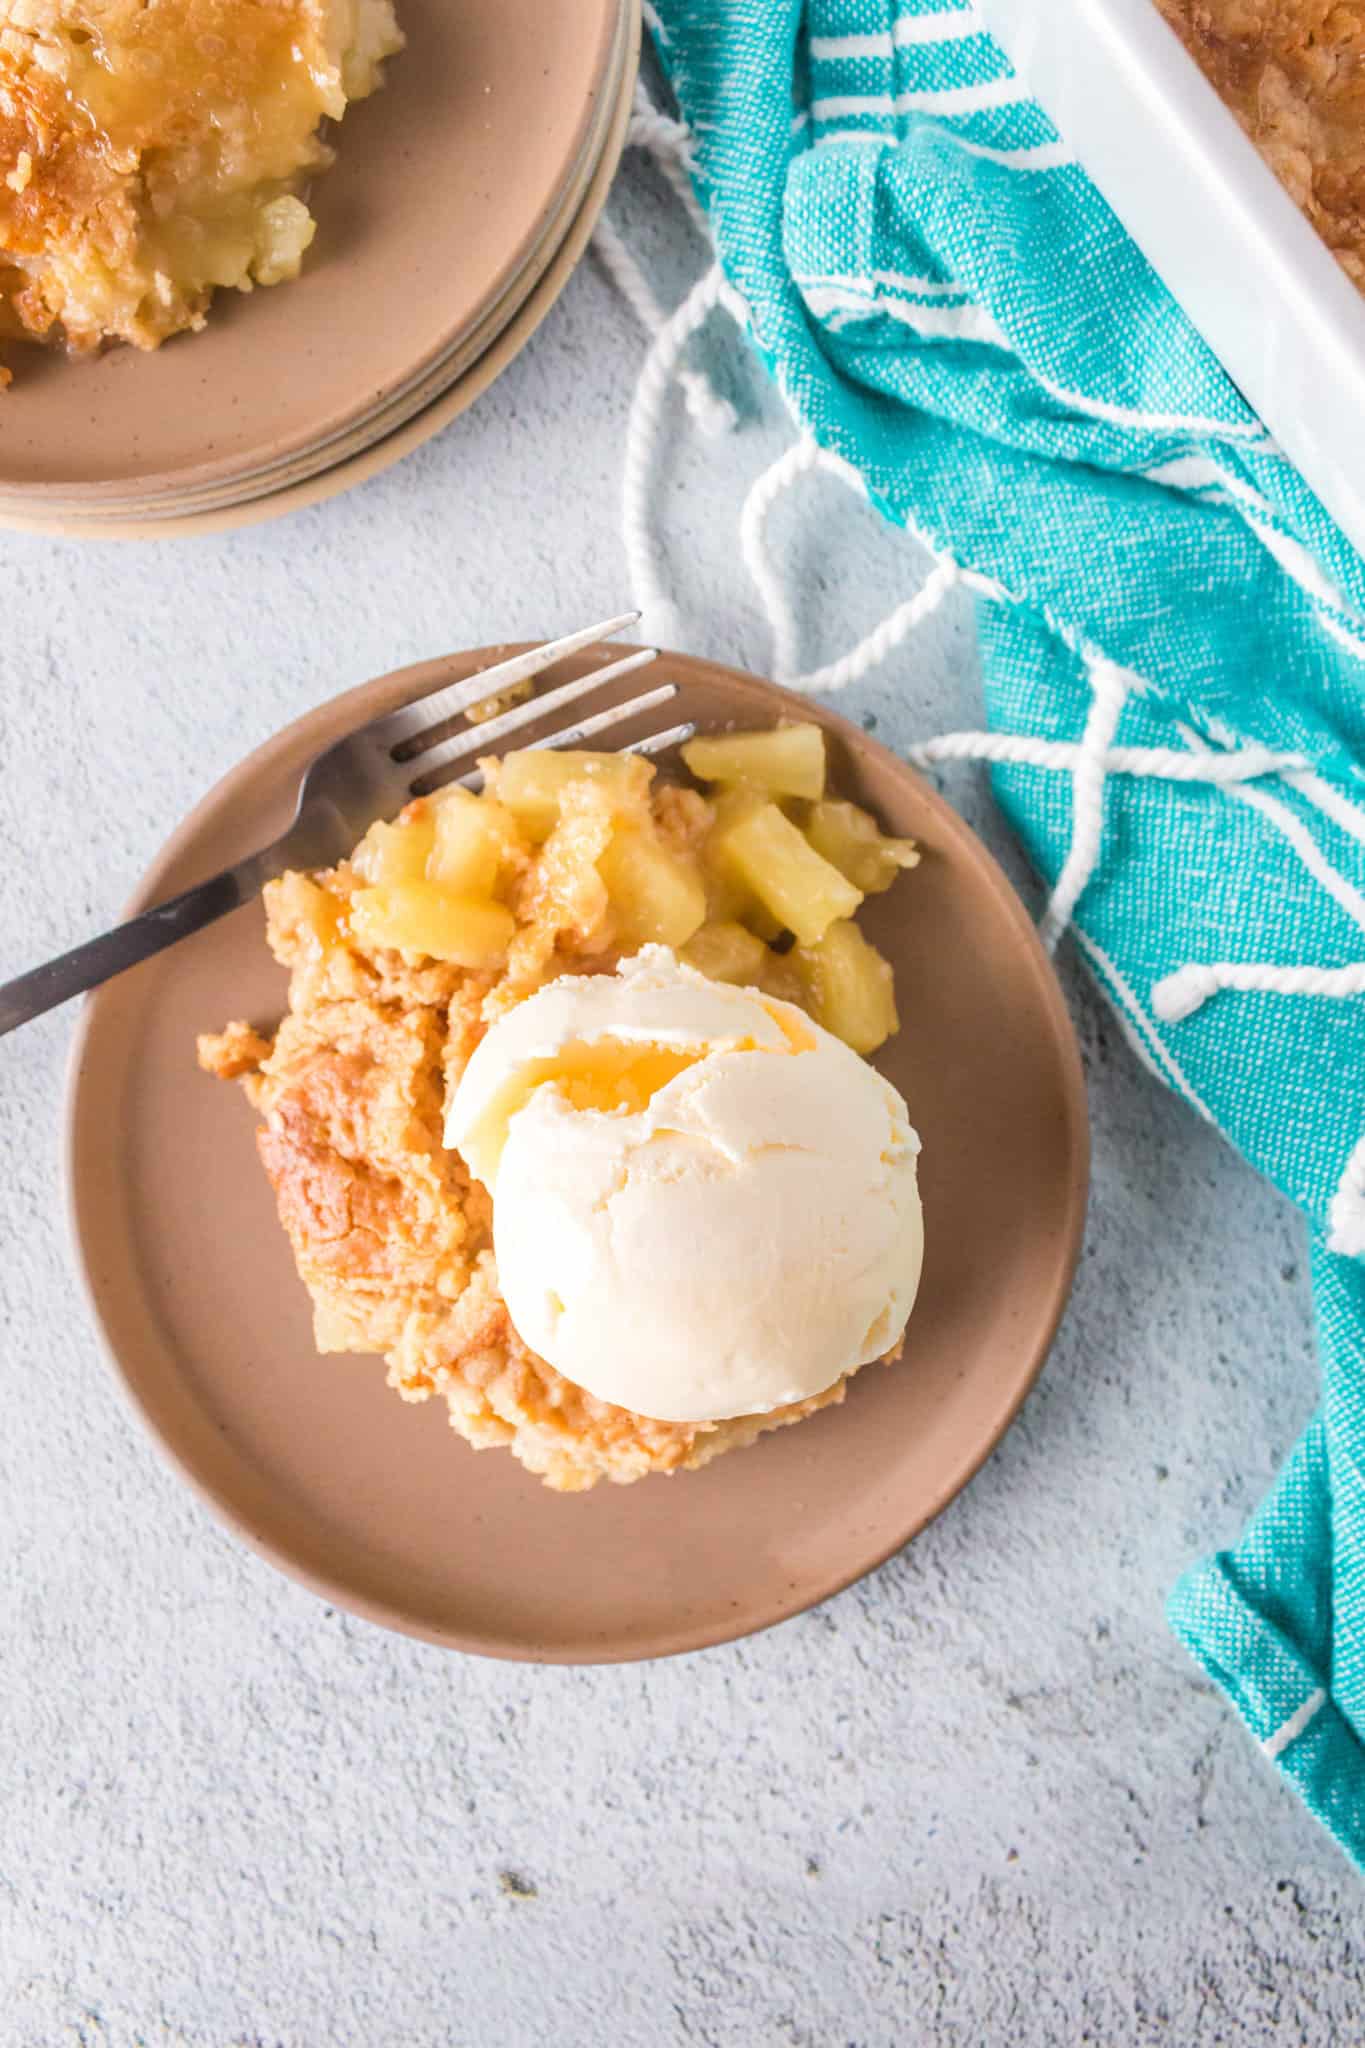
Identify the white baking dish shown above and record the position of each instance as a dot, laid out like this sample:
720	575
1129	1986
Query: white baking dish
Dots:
1212	219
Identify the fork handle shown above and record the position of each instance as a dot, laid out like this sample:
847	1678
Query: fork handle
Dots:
85	967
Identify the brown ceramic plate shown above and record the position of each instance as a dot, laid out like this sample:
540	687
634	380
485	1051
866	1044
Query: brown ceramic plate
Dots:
25	517
443	186
377	1505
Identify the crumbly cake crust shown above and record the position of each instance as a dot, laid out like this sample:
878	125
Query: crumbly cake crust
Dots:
391	1237
1293	72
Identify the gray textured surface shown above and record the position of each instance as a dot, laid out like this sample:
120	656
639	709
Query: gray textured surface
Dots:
981	1798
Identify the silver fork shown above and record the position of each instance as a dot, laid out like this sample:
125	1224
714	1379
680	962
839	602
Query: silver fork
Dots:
370	774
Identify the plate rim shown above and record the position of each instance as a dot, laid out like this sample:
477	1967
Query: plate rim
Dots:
396	444
390	688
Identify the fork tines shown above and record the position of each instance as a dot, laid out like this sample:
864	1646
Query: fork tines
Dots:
401	728
405	730
491	735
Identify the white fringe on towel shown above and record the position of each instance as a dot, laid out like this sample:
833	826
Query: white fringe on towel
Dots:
1089	763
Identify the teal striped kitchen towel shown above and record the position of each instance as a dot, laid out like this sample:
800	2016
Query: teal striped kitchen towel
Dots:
949	305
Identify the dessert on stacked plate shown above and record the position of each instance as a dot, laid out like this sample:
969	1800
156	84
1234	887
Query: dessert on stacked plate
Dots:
250	256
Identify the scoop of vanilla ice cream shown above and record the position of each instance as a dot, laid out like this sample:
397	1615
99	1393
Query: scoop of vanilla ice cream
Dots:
703	1204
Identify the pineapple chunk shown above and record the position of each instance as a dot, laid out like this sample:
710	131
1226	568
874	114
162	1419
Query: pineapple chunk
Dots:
475	839
503	700
658	896
729	902
851	840
781	978
727	952
766	853
728	899
788	761
421	917
732	806
849	987
390	854
531	782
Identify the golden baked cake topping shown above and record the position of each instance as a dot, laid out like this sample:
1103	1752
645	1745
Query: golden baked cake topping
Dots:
154	150
1293	72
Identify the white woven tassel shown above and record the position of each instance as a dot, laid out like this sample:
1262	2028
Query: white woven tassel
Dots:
1090	762
1109	690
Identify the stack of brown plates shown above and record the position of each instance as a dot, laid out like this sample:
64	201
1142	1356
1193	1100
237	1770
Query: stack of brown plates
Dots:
462	196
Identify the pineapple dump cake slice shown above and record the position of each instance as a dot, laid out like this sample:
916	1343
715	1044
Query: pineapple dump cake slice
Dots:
154	150
404	956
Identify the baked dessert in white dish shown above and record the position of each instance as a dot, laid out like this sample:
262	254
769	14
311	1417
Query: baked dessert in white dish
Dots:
1293	72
